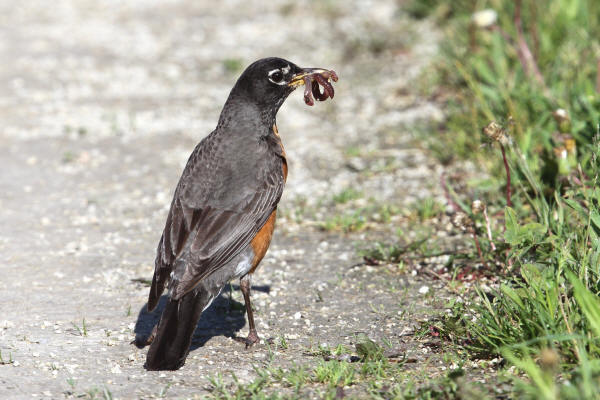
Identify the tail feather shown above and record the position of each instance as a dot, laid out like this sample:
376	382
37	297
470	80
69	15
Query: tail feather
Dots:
171	345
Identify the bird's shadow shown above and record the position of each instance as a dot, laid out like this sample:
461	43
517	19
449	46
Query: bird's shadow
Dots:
224	317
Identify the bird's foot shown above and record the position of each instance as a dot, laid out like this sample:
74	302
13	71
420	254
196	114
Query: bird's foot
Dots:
251	340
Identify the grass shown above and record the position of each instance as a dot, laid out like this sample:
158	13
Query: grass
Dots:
525	85
6	362
97	394
380	252
83	331
233	65
347	213
427	208
347	222
368	374
94	393
346	195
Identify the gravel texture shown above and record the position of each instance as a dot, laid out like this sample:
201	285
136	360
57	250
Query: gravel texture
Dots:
101	104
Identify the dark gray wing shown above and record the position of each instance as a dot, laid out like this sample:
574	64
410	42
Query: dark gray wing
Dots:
219	205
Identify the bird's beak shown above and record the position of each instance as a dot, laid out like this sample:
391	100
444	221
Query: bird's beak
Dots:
298	78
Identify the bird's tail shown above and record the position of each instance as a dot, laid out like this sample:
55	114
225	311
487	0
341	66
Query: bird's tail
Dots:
178	321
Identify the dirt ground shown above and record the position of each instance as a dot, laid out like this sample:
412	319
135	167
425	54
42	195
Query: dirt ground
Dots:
102	102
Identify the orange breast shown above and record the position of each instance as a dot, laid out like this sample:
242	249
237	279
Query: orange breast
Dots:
262	240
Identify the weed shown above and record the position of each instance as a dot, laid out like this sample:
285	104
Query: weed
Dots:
83	331
348	222
164	389
390	253
334	373
367	349
283	343
95	393
233	65
5	362
346	195
71	382
427	208
530	80
353	151
68	157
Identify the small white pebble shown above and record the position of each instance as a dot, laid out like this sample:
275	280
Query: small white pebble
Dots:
6	324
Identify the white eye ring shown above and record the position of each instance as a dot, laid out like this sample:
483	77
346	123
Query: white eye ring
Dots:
274	79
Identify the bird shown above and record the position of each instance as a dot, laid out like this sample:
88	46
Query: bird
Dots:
222	216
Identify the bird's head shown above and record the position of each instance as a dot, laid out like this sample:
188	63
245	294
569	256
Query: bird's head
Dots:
266	84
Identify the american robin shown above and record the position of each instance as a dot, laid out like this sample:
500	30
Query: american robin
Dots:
223	211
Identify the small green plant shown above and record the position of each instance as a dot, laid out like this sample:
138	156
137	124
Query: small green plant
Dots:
233	65
427	208
68	157
348	222
83	330
71	382
5	362
164	389
283	343
334	373
391	253
346	195
367	349
95	393
353	151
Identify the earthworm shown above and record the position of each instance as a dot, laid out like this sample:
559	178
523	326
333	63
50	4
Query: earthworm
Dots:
308	99
311	86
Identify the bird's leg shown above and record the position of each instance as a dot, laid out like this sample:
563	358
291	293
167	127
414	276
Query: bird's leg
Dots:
245	287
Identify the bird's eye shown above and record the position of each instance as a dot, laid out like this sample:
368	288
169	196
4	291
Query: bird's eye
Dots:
276	76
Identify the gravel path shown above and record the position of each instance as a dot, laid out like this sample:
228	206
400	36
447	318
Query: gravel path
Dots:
102	102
